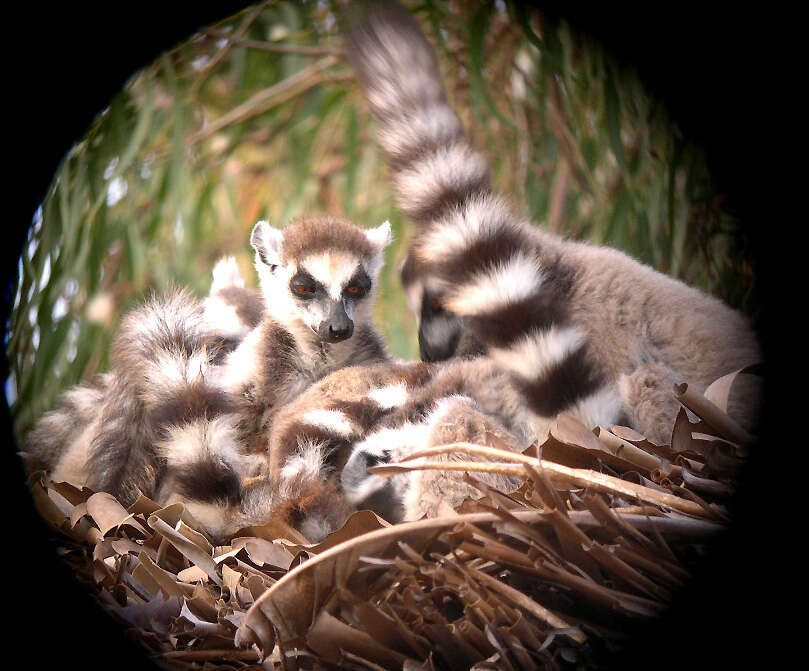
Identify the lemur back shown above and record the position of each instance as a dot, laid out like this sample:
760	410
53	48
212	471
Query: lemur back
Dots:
574	324
361	416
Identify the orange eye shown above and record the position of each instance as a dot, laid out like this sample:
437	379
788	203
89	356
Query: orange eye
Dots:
353	290
436	306
303	289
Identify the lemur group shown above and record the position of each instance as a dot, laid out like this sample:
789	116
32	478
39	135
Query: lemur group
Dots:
252	406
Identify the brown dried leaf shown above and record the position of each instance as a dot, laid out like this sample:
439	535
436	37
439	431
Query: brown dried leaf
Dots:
261	552
718	392
188	548
329	637
109	514
712	415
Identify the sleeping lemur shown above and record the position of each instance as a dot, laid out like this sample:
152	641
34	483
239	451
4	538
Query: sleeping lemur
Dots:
179	418
61	438
572	323
324	440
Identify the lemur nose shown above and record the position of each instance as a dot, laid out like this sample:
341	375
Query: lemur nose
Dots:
339	333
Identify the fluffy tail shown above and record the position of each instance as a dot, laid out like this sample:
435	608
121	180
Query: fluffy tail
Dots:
434	167
164	378
57	430
499	276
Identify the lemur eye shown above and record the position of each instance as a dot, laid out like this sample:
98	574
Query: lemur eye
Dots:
353	290
303	285
435	306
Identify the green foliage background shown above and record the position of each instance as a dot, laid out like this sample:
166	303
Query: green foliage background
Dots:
260	117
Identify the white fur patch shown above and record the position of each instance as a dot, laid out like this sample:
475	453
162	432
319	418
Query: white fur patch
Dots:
223	318
381	236
535	354
205	439
226	274
357	483
239	367
517	278
268	241
170	372
454	166
601	407
305	464
315	528
391	396
215	519
434	124
481	216
413	295
444	407
331	420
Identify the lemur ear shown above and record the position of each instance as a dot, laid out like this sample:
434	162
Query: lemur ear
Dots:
266	240
380	236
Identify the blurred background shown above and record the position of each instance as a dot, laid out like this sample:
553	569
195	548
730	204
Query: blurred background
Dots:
259	117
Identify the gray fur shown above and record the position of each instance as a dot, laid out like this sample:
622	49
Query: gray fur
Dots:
507	284
367	415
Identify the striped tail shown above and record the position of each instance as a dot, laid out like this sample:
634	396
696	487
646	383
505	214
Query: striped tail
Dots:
434	167
504	280
162	361
58	430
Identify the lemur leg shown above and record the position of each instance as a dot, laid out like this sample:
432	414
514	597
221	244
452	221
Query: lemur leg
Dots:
411	495
430	491
649	401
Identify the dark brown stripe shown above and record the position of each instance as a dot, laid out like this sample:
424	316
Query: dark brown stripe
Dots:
223	347
422	147
196	401
364	413
416	374
493	248
446	198
504	325
248	303
571	380
208	481
298	432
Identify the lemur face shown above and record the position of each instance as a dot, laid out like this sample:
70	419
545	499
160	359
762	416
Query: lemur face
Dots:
328	289
320	272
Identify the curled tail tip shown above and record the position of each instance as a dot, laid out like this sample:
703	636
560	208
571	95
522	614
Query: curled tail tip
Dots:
382	29
226	274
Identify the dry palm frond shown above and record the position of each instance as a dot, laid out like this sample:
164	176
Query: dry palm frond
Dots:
600	535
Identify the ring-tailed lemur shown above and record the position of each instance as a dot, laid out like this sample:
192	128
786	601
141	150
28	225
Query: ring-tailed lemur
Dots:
178	421
572	323
60	439
318	279
367	415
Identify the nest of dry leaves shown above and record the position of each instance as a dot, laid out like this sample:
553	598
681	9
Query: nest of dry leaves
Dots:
605	528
